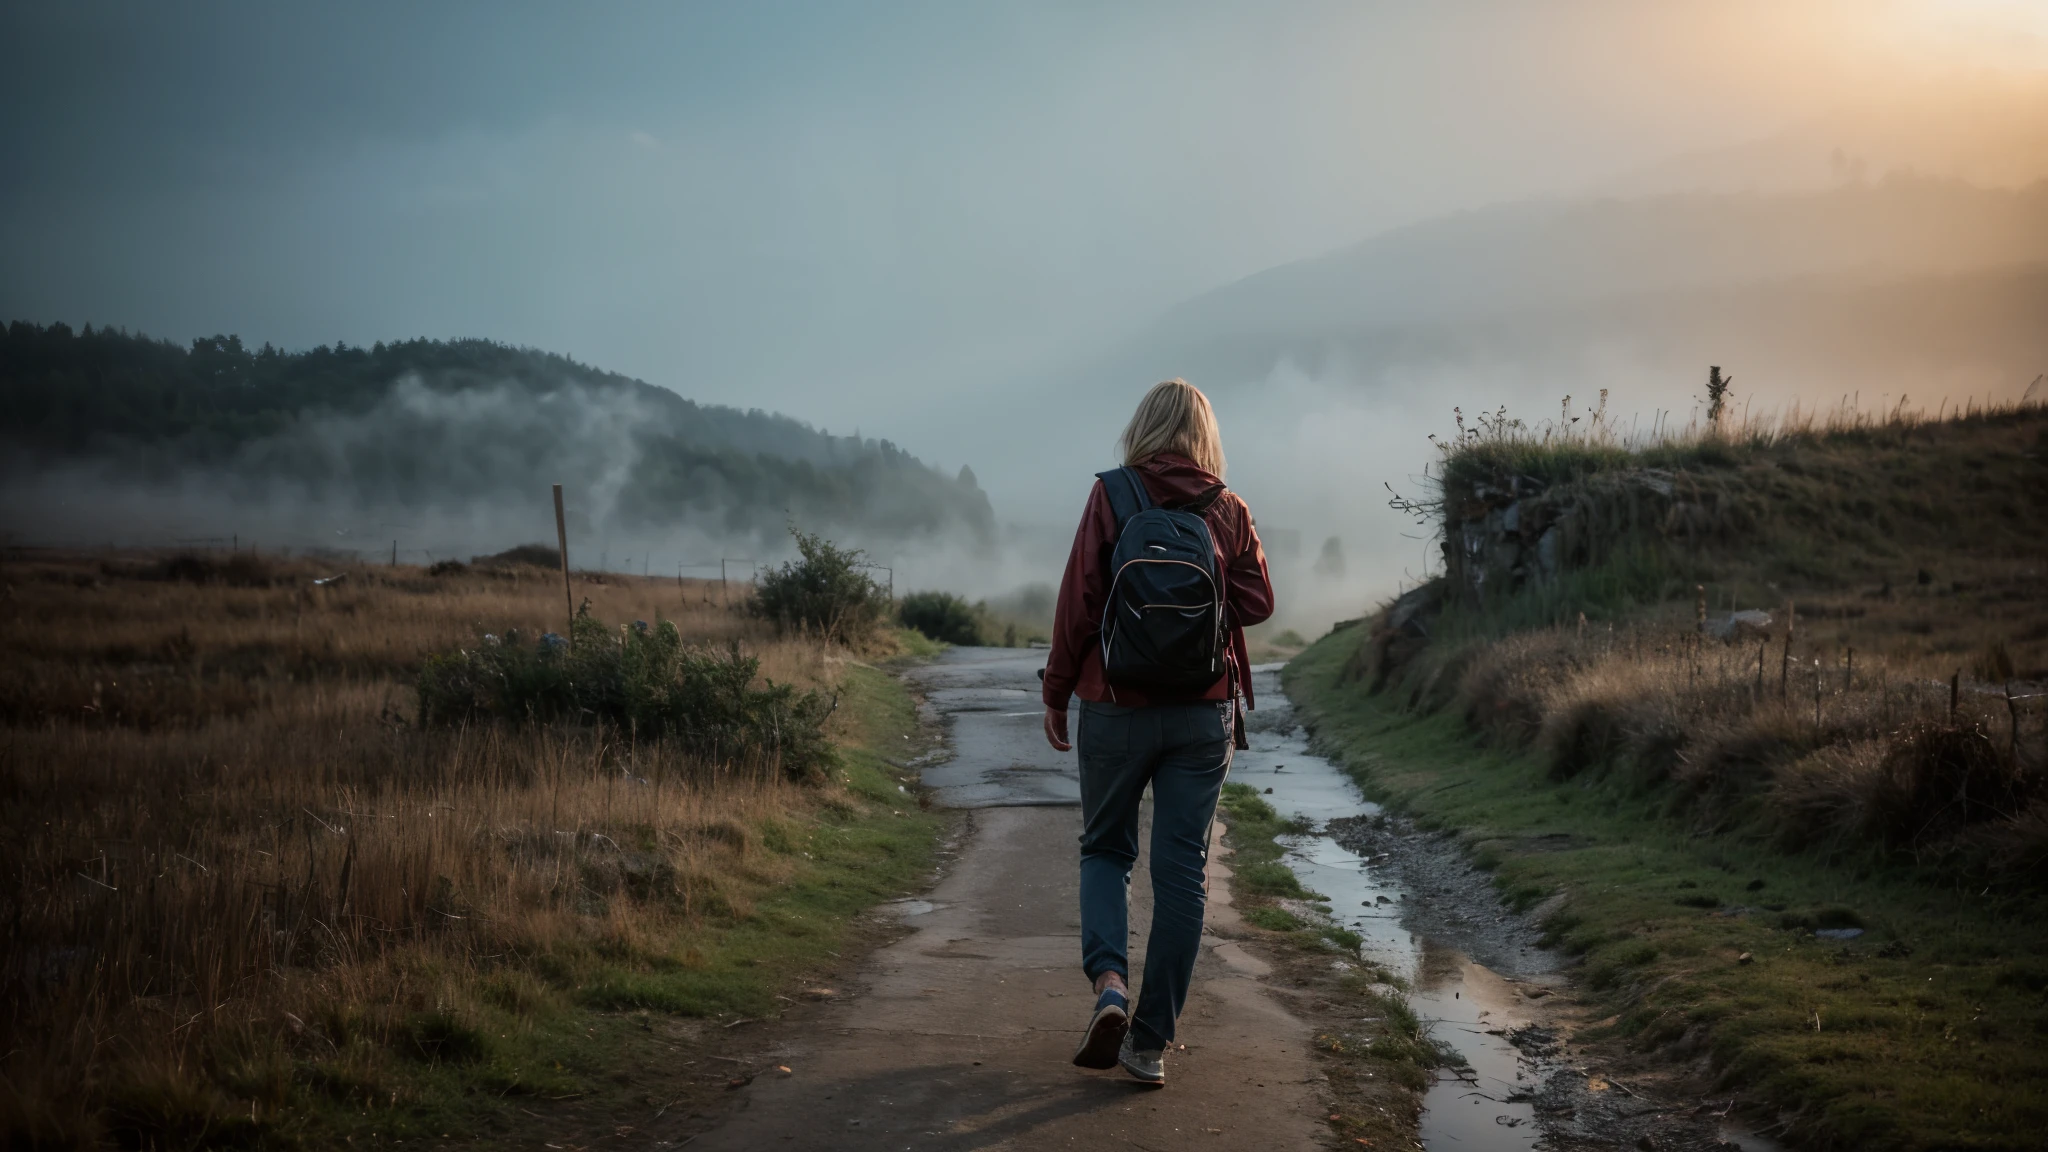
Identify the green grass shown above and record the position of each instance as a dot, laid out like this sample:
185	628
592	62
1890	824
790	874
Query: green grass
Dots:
1254	831
580	1024
916	645
1929	1031
1259	878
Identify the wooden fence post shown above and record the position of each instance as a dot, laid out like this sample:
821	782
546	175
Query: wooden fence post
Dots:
2012	712
562	541
1785	662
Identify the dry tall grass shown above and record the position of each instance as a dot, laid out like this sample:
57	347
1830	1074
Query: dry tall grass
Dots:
1843	742
1590	438
227	844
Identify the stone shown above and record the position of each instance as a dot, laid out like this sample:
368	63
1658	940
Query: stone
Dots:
1750	624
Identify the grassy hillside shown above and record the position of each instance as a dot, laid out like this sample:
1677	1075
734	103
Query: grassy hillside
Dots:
395	428
1763	709
259	895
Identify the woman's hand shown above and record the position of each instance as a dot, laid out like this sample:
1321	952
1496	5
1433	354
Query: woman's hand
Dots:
1056	728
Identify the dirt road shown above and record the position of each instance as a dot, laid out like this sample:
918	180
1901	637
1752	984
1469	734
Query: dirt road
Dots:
959	1034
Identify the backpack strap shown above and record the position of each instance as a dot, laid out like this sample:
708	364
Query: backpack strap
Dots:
1126	492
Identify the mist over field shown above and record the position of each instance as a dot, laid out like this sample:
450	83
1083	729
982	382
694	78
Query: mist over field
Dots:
1331	374
920	240
1867	296
425	451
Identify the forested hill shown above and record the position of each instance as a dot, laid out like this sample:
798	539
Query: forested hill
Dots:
448	426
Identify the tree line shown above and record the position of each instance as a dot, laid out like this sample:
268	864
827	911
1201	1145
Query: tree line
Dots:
422	422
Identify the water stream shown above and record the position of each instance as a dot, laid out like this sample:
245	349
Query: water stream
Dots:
1462	1003
1473	1008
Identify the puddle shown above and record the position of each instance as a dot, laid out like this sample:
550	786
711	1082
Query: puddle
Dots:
1465	1004
910	908
1484	1105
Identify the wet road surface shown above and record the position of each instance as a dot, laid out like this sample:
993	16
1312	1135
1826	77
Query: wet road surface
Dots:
988	699
959	1035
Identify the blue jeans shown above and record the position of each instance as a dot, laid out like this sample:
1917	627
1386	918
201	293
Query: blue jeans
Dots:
1183	752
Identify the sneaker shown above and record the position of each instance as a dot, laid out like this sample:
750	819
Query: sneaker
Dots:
1105	1030
1148	1065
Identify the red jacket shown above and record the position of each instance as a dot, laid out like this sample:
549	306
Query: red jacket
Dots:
1075	665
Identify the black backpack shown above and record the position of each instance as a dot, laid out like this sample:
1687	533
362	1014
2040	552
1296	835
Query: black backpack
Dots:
1162	624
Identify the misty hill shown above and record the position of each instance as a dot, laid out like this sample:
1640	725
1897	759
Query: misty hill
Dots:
466	434
1827	284
1863	291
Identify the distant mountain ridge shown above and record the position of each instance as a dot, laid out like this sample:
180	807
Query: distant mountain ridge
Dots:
452	425
1470	270
1678	277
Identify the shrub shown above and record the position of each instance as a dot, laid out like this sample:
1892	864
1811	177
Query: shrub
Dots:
1939	776
942	616
644	680
235	570
826	591
532	555
441	1036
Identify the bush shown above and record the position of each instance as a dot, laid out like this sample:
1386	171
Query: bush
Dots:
642	680
942	616
826	591
235	570
532	555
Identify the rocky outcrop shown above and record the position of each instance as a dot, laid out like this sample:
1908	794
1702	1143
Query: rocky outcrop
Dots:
1398	631
1499	536
1750	624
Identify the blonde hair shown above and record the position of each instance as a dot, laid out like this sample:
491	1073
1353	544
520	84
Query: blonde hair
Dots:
1174	417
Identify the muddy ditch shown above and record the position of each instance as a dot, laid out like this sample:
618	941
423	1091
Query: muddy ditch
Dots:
1473	972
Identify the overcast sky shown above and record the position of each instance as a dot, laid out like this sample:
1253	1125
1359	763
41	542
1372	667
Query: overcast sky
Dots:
842	210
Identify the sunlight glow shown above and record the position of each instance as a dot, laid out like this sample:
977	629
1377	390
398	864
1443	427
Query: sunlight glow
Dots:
1978	33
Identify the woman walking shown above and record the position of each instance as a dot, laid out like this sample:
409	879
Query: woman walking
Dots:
1165	574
